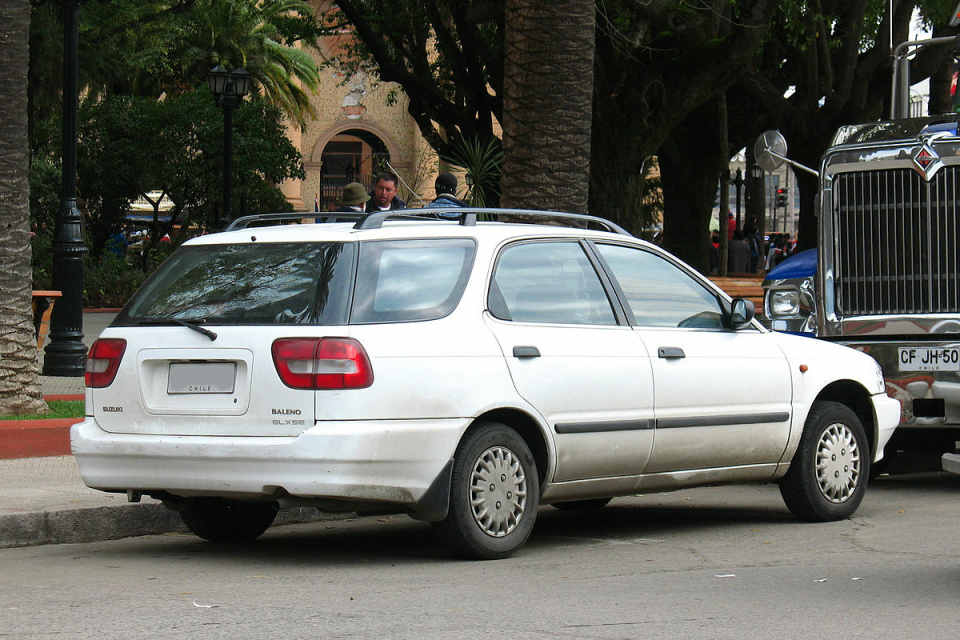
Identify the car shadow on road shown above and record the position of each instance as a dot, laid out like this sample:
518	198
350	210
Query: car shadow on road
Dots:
398	539
393	539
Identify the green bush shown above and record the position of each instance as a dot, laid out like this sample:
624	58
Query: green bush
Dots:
108	281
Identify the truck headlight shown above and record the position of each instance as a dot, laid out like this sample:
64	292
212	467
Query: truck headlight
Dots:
784	303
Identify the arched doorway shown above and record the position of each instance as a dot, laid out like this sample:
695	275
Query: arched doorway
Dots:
353	155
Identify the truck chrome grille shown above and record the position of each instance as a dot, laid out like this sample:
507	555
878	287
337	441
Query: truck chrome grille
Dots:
896	239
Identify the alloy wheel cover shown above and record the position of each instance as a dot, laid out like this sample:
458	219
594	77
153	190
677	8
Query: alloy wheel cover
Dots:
838	463
498	491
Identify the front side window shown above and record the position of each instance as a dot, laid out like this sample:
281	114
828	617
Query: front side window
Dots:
406	280
551	282
257	283
659	293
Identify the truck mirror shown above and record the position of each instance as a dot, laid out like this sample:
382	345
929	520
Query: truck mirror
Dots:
770	150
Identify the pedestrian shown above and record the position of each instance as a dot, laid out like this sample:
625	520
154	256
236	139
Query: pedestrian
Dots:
775	255
354	198
446	188
384	195
738	257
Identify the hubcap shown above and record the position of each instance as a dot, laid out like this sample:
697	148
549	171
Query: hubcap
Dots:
838	463
498	491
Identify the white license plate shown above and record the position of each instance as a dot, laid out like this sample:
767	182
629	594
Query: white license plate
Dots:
929	359
201	377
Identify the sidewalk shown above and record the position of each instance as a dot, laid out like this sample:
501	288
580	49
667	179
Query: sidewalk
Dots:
44	501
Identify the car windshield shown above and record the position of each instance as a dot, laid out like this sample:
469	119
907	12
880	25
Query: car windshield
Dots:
265	283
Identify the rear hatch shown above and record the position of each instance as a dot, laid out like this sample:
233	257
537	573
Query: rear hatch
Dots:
192	352
252	338
227	388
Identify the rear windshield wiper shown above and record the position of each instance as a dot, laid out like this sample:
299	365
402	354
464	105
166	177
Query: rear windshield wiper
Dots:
190	324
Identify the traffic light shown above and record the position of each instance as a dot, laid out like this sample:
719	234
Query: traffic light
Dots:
782	198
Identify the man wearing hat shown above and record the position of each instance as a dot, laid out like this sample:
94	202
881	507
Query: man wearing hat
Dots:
446	188
354	198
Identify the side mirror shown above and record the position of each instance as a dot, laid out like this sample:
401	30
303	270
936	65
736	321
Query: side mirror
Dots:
741	312
770	150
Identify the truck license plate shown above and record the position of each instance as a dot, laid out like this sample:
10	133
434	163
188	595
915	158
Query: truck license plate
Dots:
201	377
929	359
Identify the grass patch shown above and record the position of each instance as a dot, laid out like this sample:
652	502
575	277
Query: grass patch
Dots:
58	409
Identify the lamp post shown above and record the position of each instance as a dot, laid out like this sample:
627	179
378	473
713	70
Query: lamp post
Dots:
228	88
66	355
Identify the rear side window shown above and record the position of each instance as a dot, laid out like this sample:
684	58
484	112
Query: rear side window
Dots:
268	283
550	282
407	280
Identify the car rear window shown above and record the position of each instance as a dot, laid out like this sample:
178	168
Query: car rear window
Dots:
305	283
266	283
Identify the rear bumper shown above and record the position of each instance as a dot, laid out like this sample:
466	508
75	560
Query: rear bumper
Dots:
385	462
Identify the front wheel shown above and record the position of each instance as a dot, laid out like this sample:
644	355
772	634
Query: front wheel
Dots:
828	474
494	494
219	520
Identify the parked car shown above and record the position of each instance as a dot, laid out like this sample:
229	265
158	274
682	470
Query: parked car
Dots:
465	373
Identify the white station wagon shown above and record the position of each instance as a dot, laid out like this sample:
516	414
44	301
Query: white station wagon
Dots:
463	372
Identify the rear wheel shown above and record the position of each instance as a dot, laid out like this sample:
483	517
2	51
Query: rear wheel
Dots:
828	474
219	520
494	494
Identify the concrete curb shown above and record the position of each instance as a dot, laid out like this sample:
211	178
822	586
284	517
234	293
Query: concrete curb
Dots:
126	520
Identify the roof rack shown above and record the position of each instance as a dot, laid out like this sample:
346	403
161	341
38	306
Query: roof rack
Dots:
321	216
467	217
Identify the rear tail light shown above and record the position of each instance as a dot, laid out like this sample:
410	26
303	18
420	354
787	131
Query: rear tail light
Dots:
322	363
103	362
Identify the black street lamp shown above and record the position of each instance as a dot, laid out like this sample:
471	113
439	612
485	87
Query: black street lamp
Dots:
66	355
228	88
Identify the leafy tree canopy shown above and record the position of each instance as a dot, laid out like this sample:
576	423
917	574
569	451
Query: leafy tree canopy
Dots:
166	47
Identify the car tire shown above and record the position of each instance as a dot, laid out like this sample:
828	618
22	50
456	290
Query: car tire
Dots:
494	494
583	505
227	520
830	469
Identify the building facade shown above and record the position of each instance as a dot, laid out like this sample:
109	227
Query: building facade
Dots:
357	134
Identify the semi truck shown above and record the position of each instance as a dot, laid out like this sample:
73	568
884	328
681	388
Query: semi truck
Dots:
885	278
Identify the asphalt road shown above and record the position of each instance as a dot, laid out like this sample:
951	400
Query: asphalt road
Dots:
716	562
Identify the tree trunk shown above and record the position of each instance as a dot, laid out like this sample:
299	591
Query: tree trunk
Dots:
548	93
723	215
19	371
616	175
689	187
941	100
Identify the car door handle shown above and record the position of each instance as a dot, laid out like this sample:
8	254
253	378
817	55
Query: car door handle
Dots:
526	352
670	352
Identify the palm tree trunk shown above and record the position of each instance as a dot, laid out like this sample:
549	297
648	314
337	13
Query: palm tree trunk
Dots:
548	92
19	371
